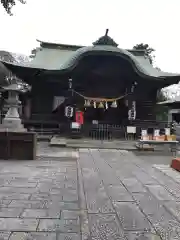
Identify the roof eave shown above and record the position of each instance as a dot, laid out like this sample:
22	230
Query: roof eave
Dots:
58	45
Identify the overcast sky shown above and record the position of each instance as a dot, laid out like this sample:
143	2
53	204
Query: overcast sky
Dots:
155	22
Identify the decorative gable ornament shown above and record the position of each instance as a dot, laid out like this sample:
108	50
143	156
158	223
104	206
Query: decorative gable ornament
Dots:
105	40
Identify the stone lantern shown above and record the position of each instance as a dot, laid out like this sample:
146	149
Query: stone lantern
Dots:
12	121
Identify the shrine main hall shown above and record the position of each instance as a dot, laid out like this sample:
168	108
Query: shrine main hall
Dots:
102	83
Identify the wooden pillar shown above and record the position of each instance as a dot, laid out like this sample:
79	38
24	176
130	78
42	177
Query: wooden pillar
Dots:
27	108
0	107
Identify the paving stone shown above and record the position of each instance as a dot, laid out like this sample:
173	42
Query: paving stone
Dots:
4	203
144	178
70	195
159	192
32	236
133	185
141	236
105	226
131	217
11	196
52	225
57	198
58	184
10	212
70	184
55	191
27	204
97	204
151	207
119	194
21	184
10	190
15	224
40	196
168	230
45	188
163	222
68	236
62	205
4	235
41	213
171	186
174	208
67	214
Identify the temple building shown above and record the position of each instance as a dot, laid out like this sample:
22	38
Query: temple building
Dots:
109	85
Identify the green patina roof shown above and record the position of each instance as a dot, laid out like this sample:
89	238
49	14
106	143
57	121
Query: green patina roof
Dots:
45	44
139	62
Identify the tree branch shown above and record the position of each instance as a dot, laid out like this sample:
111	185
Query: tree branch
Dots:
8	4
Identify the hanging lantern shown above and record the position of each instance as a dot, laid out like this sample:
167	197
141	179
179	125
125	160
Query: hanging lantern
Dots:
101	105
94	103
87	103
106	105
114	104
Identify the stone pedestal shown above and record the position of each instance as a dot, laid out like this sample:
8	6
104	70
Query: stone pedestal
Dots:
18	145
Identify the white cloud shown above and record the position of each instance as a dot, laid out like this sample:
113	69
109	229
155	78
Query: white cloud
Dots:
155	22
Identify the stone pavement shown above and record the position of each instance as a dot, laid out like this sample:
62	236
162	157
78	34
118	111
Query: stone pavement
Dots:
103	194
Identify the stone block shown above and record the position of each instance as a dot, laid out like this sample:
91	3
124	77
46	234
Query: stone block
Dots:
27	204
131	217
56	225
105	226
16	224
10	212
32	236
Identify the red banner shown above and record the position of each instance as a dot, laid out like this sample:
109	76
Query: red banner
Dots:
80	117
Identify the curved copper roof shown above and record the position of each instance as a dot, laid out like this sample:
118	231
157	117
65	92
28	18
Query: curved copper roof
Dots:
140	64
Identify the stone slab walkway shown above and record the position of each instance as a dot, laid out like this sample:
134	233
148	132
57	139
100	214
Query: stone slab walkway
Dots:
94	194
128	198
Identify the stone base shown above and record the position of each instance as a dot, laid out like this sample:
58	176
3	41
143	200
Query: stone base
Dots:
18	145
175	164
12	125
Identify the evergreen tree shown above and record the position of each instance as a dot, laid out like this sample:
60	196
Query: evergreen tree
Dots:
8	4
148	50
